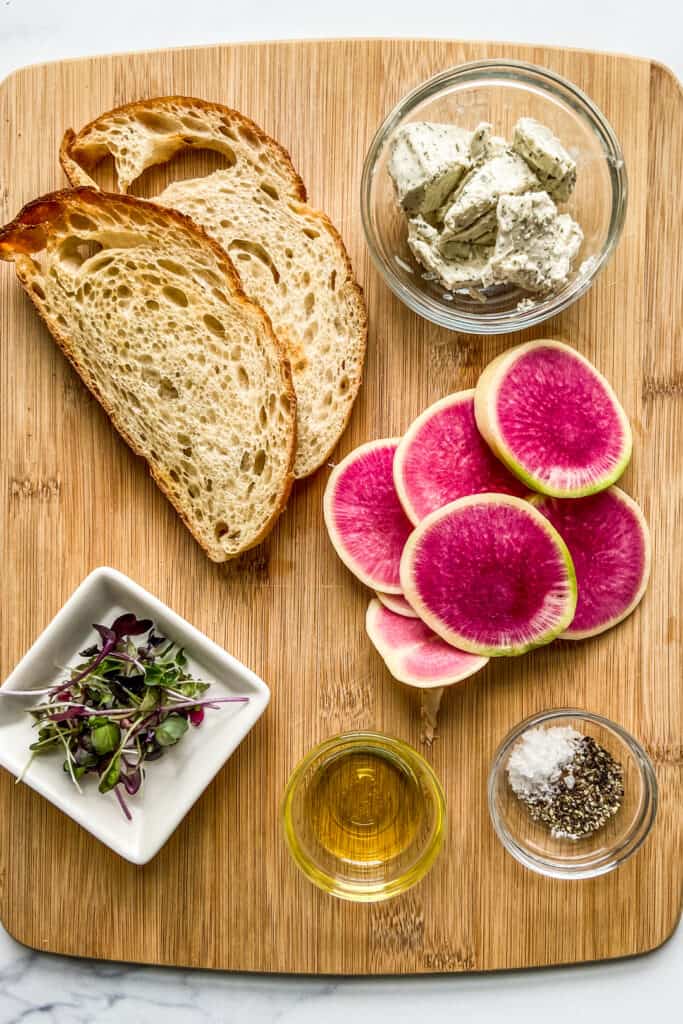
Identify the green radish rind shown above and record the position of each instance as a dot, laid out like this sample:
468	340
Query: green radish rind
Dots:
485	413
537	501
451	636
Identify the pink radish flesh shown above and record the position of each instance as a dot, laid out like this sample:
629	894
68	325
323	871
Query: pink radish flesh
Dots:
443	457
434	662
553	419
489	575
609	542
397	604
414	654
364	517
395	631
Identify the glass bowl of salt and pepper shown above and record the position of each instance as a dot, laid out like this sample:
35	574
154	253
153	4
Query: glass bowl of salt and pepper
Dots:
571	794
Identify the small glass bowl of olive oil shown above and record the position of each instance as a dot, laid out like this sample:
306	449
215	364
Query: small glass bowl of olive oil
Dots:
364	816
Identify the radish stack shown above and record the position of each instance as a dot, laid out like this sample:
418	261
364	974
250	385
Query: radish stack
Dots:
492	527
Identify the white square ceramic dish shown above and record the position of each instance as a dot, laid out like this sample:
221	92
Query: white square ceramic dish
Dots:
170	789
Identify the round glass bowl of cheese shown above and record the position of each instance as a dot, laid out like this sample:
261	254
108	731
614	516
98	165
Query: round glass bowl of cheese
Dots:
423	183
571	794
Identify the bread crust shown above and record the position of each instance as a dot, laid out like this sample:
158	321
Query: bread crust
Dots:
29	231
73	141
76	162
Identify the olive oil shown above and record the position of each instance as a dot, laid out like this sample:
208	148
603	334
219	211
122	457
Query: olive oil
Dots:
363	816
365	806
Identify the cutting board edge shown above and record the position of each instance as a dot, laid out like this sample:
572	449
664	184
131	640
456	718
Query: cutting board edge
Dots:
294	972
504	44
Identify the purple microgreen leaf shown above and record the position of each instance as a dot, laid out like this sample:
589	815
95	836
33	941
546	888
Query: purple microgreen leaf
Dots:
107	634
123	624
129	625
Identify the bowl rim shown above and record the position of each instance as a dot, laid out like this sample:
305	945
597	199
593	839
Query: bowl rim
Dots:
607	861
571	95
380	891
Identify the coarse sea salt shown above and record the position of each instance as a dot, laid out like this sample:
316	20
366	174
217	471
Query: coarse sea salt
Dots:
537	761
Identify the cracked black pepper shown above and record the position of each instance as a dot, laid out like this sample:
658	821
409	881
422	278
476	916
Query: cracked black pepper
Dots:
568	782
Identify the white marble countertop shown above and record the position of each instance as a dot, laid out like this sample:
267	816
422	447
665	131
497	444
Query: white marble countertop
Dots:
36	988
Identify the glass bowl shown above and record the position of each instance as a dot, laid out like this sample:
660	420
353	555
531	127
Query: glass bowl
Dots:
499	92
364	816
605	849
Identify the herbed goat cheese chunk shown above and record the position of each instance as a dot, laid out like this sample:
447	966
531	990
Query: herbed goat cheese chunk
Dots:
480	210
426	163
536	246
506	174
546	156
464	269
482	231
484	145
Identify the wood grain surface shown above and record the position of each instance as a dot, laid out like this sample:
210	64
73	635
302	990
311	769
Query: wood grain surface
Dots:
223	892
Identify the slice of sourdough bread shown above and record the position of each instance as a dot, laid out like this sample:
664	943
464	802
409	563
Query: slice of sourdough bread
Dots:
150	312
290	258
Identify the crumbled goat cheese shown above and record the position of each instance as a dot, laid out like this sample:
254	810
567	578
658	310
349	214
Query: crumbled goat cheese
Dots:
479	210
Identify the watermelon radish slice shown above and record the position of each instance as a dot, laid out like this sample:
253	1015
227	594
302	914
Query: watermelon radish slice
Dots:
609	542
397	604
490	575
414	654
363	515
553	420
443	457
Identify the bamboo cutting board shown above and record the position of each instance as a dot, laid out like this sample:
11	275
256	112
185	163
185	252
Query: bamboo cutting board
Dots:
223	892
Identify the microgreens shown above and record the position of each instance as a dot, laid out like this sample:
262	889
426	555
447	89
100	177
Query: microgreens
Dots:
121	707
